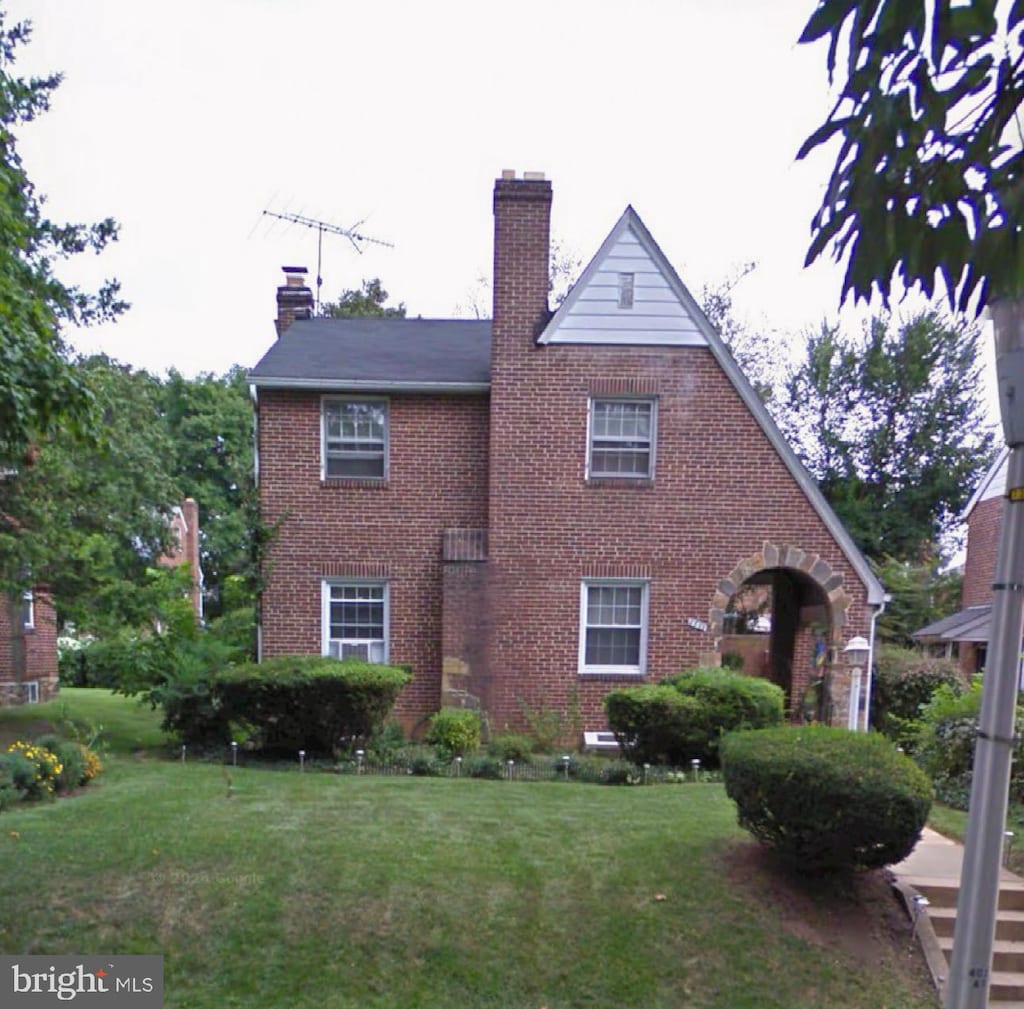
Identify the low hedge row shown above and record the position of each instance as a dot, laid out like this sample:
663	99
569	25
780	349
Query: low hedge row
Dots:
826	799
306	702
683	718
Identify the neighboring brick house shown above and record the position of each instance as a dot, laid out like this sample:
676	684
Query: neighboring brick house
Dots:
965	634
534	510
184	523
28	648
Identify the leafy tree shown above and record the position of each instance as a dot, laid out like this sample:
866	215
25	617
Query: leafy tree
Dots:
927	178
368	300
42	396
99	508
892	428
921	594
209	422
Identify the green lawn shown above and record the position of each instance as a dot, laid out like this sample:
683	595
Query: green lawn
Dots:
123	725
315	890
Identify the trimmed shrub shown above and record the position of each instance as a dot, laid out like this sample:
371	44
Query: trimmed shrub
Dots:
826	799
655	723
682	718
455	732
307	702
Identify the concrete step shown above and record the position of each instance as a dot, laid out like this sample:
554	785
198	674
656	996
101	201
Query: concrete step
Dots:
1006	986
1007	955
942	892
1009	924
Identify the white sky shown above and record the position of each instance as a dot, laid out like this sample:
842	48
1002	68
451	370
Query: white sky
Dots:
185	121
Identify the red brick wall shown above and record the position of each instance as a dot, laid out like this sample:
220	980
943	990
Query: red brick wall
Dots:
27	654
982	547
437	479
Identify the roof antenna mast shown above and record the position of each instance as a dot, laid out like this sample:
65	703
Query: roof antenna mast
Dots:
352	234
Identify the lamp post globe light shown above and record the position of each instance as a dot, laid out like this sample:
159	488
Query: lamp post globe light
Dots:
978	900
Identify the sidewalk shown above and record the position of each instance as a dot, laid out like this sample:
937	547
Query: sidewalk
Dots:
937	857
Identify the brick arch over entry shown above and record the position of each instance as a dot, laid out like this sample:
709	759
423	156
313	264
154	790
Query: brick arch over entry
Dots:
774	556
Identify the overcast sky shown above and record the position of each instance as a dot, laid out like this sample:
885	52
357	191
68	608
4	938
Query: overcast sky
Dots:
185	122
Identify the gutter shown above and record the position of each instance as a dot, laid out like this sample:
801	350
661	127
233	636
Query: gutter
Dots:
367	384
879	610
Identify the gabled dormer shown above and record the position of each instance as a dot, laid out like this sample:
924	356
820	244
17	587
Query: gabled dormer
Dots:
629	295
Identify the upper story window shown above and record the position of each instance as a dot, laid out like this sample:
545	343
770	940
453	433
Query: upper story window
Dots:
28	609
355	620
613	627
355	439
626	281
622	433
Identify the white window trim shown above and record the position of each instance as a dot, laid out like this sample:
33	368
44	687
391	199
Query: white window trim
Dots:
638	670
325	610
28	599
653	400
325	401
32	692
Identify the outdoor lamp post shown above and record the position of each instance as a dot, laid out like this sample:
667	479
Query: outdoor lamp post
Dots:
856	652
979	880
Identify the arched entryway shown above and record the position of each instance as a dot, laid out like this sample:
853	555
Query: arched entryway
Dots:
780	614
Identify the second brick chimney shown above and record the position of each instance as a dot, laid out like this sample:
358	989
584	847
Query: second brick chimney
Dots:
294	298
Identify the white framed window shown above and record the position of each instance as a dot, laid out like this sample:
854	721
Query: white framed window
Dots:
28	609
355	620
626	284
613	626
355	439
621	438
32	692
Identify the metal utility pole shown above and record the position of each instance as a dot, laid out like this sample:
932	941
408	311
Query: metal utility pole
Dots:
354	236
978	901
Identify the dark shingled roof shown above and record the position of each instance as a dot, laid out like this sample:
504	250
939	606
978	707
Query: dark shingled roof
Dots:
367	353
971	624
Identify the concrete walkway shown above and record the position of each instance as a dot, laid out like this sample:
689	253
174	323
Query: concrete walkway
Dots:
937	857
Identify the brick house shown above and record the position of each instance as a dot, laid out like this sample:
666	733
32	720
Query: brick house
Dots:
534	510
184	524
964	635
28	648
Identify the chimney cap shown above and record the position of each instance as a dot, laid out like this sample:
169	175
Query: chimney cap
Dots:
508	174
295	269
533	176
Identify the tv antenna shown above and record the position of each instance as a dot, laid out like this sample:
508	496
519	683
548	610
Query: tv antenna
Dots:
352	234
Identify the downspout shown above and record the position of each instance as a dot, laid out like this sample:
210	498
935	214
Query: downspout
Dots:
871	661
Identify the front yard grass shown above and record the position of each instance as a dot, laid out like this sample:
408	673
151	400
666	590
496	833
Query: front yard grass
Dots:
314	890
123	724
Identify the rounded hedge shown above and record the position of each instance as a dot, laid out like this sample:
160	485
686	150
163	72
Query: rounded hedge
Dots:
826	799
308	702
683	718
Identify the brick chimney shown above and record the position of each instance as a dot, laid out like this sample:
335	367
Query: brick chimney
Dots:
294	298
522	230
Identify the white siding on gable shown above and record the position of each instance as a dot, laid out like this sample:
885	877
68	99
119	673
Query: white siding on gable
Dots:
657	316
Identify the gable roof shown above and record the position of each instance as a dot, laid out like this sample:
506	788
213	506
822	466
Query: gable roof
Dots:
993	483
663	311
631	244
410	355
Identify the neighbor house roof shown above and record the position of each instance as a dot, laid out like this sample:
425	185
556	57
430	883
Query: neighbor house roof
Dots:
971	624
411	355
